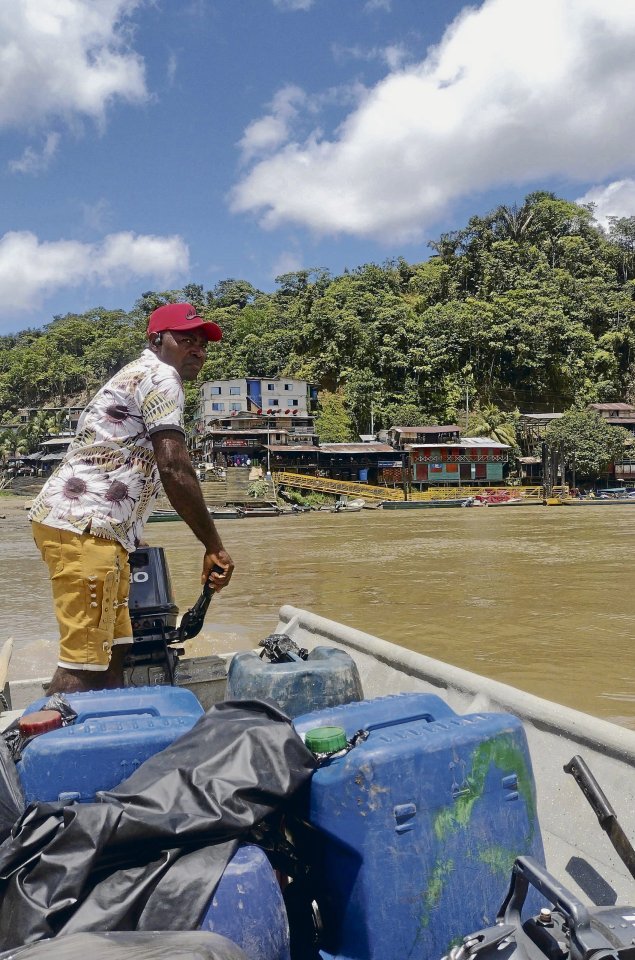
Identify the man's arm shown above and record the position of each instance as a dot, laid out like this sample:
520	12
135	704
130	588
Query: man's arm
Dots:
184	493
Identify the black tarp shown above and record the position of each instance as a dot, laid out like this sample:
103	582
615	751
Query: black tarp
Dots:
11	796
149	855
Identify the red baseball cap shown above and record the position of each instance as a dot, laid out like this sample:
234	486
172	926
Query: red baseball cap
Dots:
182	316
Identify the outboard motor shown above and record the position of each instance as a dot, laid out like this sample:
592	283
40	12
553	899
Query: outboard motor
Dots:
154	655
153	613
151	602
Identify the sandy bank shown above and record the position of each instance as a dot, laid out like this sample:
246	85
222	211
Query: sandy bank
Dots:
12	506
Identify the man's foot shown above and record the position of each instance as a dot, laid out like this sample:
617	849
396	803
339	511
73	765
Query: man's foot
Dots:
76	681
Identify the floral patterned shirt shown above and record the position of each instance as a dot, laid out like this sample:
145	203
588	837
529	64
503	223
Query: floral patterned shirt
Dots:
109	480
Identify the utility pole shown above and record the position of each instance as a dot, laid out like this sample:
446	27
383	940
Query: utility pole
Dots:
467	406
563	476
372	419
547	470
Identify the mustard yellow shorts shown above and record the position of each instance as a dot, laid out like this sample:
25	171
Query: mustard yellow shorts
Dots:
90	577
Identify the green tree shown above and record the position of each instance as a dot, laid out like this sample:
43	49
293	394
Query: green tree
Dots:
403	415
622	239
588	439
333	422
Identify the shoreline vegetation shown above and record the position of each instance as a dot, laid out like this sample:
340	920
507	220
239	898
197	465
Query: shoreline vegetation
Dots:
528	308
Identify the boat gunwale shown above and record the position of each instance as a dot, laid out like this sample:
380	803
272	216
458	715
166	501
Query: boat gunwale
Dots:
545	715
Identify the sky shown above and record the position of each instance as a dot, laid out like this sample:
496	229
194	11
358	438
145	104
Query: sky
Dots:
147	144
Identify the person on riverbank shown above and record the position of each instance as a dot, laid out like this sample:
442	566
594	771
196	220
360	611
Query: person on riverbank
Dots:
90	514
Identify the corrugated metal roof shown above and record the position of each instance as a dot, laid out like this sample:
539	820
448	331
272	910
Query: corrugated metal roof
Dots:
434	428
541	416
375	447
463	442
238	433
612	406
292	448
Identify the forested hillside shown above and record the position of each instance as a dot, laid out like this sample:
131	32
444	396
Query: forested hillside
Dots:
529	308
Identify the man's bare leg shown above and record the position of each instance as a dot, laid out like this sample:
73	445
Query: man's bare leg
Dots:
79	681
113	677
76	681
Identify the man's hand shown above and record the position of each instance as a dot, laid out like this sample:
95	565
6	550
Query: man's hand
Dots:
217	558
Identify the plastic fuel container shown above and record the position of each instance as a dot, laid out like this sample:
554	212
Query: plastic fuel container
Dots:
247	907
328	677
114	733
413	831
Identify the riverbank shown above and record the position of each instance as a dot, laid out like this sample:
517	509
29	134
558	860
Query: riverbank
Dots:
12	505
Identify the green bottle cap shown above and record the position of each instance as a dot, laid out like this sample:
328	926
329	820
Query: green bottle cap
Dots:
325	739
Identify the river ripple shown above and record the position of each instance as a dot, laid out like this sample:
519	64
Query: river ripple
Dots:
538	597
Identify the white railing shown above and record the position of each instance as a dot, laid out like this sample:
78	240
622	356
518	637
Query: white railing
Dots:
465	458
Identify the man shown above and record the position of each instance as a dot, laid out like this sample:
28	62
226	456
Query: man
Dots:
91	512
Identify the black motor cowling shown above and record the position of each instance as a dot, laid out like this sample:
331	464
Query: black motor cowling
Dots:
153	611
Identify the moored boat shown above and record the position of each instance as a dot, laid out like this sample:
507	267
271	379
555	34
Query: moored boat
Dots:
163	516
218	513
226	513
598	501
268	510
517	502
348	506
426	504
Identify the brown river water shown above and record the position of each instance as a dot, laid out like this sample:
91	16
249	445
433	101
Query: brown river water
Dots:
539	597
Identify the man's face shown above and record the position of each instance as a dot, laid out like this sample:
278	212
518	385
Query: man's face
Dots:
183	350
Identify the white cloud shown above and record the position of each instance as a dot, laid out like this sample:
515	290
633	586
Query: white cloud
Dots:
616	199
33	162
273	129
64	58
371	5
517	91
171	68
31	270
288	261
293	4
394	55
96	216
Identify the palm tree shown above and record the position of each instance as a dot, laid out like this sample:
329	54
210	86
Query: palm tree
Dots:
513	222
496	424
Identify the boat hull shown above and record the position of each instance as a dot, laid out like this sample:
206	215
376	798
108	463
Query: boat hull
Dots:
576	849
424	504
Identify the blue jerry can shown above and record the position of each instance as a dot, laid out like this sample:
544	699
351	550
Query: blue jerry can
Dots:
247	907
115	732
327	678
414	831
